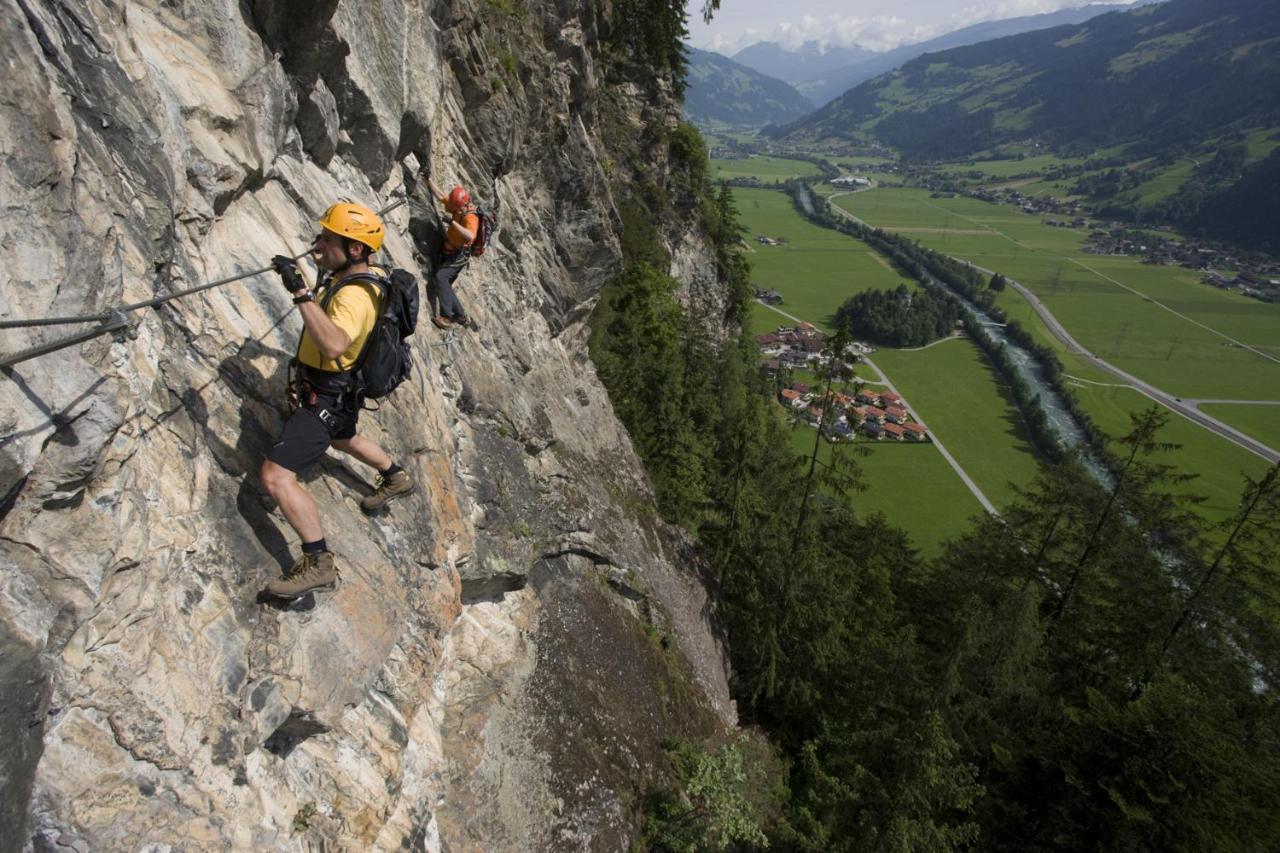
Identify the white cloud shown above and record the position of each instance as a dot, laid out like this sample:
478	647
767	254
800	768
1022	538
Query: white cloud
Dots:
879	32
883	25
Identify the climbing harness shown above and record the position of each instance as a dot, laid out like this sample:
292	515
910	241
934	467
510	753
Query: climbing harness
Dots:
116	320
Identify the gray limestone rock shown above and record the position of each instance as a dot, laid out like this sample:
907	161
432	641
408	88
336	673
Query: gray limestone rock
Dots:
508	646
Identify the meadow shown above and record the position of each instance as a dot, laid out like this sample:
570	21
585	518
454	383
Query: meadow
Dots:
911	484
1260	422
1191	347
1125	327
766	169
957	392
1218	464
816	269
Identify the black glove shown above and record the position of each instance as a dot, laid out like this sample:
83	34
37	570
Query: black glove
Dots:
288	271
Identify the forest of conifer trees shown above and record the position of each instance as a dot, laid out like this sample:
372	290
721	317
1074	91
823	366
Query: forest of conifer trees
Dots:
1090	670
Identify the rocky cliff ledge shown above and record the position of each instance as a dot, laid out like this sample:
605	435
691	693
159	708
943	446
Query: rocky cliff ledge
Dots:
509	646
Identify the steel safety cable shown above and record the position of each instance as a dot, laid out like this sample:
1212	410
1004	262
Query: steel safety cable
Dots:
116	319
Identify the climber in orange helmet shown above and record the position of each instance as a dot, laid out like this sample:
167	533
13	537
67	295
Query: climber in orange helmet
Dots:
460	232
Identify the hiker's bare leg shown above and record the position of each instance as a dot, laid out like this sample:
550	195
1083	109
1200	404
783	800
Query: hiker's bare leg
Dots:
298	507
366	451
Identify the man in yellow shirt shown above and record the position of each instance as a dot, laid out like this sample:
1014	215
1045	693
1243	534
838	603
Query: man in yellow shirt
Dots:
337	320
459	233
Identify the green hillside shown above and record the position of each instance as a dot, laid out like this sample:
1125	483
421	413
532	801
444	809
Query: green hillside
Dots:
1153	79
719	91
1167	114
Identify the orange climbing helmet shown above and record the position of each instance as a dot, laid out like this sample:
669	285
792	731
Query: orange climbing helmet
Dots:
356	222
458	199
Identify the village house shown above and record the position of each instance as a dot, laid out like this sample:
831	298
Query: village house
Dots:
769	297
894	431
890	398
916	432
873	430
895	415
869	395
792	398
794	358
870	414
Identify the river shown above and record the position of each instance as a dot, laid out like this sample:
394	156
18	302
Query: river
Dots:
1059	417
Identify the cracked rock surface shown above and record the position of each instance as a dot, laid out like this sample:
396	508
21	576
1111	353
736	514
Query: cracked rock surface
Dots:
509	646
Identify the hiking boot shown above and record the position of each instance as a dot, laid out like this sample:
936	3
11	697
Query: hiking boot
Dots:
388	489
460	321
441	322
311	571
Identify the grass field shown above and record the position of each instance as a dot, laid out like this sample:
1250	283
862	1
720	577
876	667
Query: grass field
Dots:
1012	166
911	484
1260	422
1189	348
1122	326
763	168
1219	464
955	390
817	269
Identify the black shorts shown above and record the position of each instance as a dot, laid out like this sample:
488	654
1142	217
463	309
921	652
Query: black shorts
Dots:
309	432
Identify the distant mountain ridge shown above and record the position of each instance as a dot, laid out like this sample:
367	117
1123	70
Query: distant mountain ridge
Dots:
822	87
719	90
796	65
1154	77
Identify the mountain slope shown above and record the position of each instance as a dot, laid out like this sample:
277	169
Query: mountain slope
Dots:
460	687
720	90
824	87
1158	76
795	65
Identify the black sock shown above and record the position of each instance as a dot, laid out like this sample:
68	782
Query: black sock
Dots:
316	547
391	471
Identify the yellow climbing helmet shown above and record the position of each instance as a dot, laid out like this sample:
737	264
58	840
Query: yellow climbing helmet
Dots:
355	221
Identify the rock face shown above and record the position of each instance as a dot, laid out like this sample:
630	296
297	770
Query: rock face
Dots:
509	646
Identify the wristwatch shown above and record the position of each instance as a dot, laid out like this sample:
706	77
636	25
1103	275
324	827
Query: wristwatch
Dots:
303	296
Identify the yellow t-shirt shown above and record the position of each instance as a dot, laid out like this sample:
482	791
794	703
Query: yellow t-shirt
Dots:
354	310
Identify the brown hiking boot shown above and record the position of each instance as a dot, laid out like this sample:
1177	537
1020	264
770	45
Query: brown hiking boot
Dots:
441	322
311	571
388	489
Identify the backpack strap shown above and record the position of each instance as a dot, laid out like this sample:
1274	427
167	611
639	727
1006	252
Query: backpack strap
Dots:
384	289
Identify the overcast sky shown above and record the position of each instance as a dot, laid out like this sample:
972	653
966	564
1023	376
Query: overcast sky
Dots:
874	24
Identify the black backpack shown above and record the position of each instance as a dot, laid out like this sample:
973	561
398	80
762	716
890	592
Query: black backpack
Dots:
484	233
385	361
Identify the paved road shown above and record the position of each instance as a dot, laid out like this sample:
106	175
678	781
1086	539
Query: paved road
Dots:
1185	408
946	454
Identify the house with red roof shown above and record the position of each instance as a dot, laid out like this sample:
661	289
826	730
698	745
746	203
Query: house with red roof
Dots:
895	414
891	398
868	395
894	431
916	432
792	398
871	414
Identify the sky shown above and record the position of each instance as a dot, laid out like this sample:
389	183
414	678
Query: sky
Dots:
873	24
